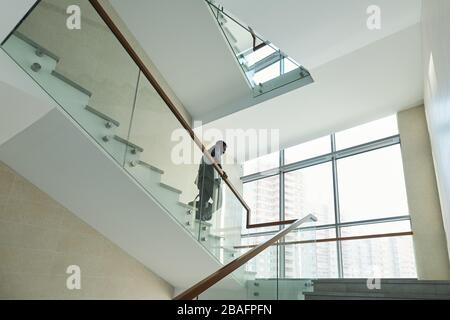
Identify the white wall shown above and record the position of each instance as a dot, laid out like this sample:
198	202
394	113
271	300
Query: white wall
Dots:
436	53
22	100
423	198
10	14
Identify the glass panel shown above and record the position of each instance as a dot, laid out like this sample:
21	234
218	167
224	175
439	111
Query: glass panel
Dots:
267	162
311	260
264	265
267	74
289	65
223	232
263	197
371	131
251	281
86	71
310	191
379	258
262	277
258	55
308	150
372	185
185	184
95	81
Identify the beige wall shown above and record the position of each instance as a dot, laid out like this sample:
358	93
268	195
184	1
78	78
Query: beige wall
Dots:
423	199
436	52
39	239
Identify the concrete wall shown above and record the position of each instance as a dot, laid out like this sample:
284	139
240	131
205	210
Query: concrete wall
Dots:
423	199
436	53
39	239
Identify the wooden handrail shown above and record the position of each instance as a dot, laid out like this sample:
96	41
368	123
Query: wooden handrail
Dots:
370	236
269	224
211	280
146	72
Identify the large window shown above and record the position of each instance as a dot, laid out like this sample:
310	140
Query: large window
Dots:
353	182
371	185
310	190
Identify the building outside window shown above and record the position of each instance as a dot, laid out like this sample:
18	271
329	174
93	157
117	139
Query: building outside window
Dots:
353	182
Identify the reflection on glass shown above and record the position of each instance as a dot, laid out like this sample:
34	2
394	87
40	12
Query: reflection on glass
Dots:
310	191
371	131
256	56
311	260
267	162
263	197
379	258
264	265
372	185
308	150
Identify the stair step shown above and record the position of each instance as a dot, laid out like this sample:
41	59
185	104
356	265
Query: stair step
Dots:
145	164
63	78
128	143
38	47
166	186
102	115
186	206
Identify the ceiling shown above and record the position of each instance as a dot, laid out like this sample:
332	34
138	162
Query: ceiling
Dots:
185	43
360	75
375	81
319	31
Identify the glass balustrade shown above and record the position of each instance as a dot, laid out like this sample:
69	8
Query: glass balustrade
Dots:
95	81
283	271
265	66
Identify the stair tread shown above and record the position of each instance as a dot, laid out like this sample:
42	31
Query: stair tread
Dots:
128	143
71	83
166	186
32	43
102	115
151	167
185	205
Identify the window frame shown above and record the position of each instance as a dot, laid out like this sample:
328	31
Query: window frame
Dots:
332	157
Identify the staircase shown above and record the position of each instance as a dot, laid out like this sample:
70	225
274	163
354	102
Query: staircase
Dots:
103	128
82	154
389	289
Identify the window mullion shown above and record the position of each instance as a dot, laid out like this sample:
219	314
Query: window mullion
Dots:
336	207
282	214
